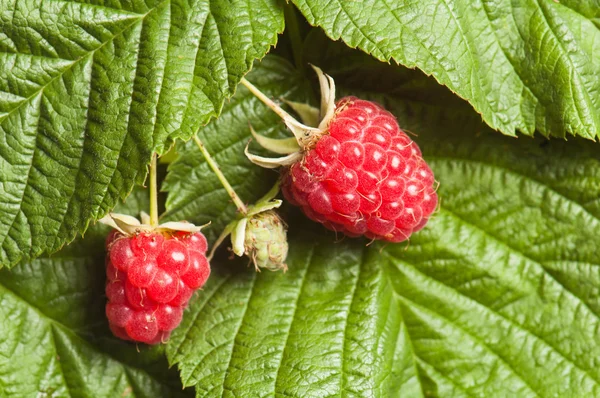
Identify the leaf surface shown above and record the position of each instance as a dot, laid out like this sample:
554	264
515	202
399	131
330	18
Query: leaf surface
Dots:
89	90
527	65
55	338
497	295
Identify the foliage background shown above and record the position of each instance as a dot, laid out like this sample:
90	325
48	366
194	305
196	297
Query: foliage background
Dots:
498	296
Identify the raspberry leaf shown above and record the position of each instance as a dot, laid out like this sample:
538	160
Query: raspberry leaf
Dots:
498	293
55	337
526	66
89	91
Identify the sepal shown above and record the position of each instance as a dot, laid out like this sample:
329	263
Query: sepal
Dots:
308	113
271	163
306	134
238	237
129	225
283	146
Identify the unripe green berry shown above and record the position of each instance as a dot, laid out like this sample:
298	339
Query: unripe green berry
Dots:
266	241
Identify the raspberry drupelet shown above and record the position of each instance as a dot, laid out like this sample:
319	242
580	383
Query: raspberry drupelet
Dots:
357	172
151	275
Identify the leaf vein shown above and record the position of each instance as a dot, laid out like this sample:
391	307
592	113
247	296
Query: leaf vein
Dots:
580	87
347	321
193	321
287	335
237	332
545	272
474	337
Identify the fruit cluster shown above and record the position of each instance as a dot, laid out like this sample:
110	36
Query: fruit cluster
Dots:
365	177
151	277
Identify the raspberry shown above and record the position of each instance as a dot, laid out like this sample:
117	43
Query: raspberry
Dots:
357	172
366	172
174	257
150	279
198	270
141	272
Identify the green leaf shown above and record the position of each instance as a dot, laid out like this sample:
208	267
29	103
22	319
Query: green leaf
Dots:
89	91
524	66
283	334
195	193
55	338
497	296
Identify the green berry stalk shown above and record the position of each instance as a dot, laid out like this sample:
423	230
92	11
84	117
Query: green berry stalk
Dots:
258	232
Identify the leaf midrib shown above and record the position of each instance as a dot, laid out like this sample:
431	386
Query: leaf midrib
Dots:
287	335
521	327
76	61
477	339
346	322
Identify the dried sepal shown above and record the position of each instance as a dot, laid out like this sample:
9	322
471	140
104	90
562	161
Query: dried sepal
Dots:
283	146
271	163
306	135
327	98
129	225
309	115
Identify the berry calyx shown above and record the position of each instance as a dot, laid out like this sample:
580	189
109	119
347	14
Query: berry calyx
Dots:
357	172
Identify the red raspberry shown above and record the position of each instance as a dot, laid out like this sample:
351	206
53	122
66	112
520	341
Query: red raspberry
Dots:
150	279
365	177
356	172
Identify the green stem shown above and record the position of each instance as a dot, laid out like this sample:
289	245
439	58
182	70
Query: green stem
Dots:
291	24
153	193
266	100
215	168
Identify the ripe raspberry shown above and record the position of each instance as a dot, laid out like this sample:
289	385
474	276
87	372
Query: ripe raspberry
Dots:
357	172
367	177
151	277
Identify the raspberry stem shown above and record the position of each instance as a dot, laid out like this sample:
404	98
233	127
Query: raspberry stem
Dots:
266	100
153	193
215	168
